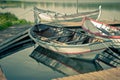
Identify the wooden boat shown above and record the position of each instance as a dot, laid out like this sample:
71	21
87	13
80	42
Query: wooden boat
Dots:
51	16
102	30
68	42
110	57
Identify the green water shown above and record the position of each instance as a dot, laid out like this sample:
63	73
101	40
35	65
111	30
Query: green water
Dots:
20	66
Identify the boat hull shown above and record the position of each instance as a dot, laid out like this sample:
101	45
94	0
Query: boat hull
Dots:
102	30
51	16
45	18
87	51
77	51
80	49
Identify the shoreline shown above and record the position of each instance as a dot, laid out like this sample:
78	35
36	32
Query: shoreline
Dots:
13	30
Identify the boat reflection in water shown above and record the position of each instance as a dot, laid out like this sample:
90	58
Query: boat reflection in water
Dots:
62	64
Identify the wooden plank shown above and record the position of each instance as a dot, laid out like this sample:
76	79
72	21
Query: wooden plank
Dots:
13	38
79	24
110	74
2	77
71	23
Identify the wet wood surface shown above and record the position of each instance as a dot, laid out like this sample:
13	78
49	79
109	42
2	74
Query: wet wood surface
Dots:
110	74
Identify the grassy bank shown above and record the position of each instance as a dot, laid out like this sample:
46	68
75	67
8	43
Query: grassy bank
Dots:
8	19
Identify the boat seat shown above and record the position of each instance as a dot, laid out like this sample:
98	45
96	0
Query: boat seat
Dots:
66	38
92	40
77	39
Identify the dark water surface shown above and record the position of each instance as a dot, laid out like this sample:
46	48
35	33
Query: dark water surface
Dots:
20	66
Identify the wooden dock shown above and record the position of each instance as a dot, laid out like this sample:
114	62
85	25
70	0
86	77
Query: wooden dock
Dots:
110	74
78	24
2	77
14	42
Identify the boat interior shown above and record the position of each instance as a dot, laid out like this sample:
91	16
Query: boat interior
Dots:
106	29
63	35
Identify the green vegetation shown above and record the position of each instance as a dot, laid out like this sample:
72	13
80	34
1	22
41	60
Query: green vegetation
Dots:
8	19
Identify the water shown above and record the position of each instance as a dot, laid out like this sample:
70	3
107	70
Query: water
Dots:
24	10
20	66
